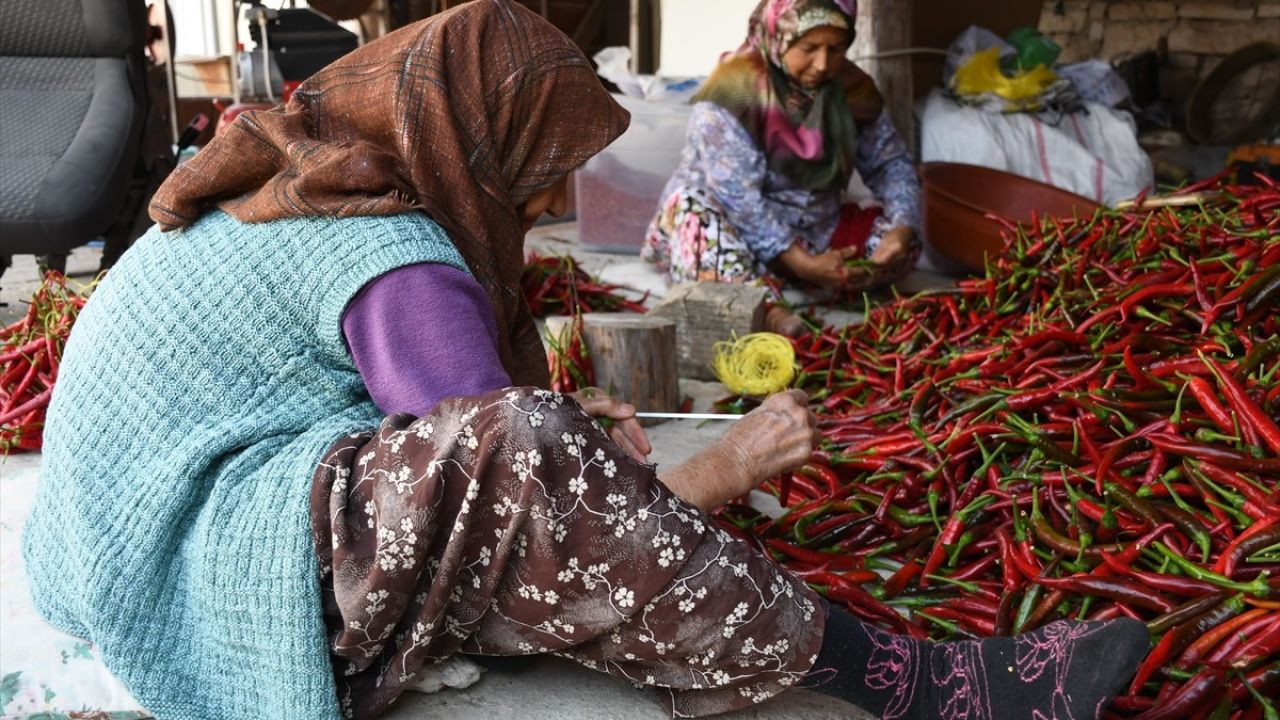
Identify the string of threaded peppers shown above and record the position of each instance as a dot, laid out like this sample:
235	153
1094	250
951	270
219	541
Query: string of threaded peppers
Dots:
1088	431
30	353
557	285
568	359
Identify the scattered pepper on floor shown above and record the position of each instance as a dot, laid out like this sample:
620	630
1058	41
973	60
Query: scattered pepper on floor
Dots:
557	285
29	357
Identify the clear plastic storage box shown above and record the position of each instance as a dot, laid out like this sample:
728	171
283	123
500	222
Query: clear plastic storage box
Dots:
618	191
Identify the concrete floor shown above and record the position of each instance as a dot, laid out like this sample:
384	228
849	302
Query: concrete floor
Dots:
546	688
555	689
20	282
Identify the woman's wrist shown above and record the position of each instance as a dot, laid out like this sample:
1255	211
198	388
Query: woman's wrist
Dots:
721	472
797	260
701	481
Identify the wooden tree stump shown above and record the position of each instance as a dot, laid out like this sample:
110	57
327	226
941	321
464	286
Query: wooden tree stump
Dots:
706	313
634	357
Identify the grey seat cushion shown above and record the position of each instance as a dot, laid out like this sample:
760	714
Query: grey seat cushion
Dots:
66	134
70	114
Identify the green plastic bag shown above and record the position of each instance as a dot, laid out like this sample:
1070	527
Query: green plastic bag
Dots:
1034	50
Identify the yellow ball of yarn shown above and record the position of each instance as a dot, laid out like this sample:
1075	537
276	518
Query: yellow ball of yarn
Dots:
758	364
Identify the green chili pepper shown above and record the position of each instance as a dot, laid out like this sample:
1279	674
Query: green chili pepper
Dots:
1257	587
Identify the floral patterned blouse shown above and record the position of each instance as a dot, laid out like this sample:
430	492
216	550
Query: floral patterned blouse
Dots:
769	211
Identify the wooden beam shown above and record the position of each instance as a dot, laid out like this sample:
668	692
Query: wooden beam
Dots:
886	25
633	35
589	26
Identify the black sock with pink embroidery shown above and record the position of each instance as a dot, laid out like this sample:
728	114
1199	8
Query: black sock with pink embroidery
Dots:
1066	670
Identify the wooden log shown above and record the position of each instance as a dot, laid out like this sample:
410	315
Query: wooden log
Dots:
705	314
634	357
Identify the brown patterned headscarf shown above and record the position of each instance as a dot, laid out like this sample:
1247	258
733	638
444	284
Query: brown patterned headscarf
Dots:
463	116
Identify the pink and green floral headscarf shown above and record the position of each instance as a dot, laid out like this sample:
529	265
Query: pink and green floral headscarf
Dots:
808	135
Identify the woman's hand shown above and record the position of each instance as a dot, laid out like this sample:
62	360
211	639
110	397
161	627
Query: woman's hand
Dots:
775	437
826	270
894	251
626	430
888	261
779	435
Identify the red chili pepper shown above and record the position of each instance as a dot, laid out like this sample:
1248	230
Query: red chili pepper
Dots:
1202	296
1027	400
1245	407
1010	563
950	531
1119	589
854	596
816	531
813	557
1186	587
899	579
822	474
1181	637
1208	400
1258	638
784	489
1185	612
1262	533
1236	482
1221	456
1190	365
1204	644
822	575
806	487
974	570
1099	514
980	625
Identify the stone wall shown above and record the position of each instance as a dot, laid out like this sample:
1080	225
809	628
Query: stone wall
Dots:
1193	35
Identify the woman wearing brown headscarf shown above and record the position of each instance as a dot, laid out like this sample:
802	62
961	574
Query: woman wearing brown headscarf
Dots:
298	450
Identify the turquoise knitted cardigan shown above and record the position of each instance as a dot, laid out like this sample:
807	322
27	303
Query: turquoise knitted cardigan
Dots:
199	389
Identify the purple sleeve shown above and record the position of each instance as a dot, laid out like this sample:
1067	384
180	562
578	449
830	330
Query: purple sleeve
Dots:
422	333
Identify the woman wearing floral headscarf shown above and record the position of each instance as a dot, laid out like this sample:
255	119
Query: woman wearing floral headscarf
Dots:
775	134
299	451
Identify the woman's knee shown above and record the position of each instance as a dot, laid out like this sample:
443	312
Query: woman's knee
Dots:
547	414
527	417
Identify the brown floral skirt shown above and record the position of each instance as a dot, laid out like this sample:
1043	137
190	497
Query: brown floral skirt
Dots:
509	524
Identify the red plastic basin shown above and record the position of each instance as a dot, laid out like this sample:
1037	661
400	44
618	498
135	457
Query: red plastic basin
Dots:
958	198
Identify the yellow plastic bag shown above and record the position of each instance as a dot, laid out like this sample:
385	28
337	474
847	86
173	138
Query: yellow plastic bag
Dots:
981	74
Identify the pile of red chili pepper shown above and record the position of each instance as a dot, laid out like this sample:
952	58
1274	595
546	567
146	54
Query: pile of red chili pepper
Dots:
1088	431
29	357
557	285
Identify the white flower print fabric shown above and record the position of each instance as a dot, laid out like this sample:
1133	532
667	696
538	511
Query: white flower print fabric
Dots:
477	530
